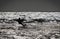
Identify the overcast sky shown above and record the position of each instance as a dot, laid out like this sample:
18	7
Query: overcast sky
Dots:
29	5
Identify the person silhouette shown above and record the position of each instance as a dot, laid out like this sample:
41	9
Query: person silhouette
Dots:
20	21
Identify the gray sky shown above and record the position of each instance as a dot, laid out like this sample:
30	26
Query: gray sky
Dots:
29	5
